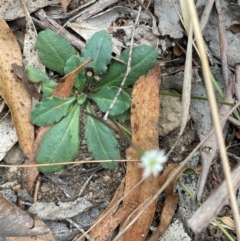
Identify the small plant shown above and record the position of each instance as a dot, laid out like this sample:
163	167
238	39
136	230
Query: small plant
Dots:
61	142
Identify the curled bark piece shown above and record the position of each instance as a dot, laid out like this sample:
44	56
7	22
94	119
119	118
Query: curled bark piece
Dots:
14	222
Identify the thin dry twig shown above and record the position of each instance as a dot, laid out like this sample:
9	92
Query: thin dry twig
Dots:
84	185
206	13
214	111
75	12
95	8
128	64
223	43
234	121
47	23
187	80
237	82
80	229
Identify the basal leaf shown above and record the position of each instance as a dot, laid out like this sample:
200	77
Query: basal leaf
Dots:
60	143
54	50
72	63
124	116
81	98
47	88
98	48
35	75
105	96
143	59
101	141
50	110
12	90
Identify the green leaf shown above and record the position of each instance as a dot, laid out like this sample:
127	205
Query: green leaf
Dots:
35	75
81	98
98	48
54	50
105	96
47	88
60	143
124	116
143	59
72	63
50	110
101	141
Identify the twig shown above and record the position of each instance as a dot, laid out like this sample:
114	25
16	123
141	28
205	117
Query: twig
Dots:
128	65
84	185
223	43
95	9
80	229
146	8
234	121
75	12
236	158
48	23
61	185
214	112
206	13
237	82
185	52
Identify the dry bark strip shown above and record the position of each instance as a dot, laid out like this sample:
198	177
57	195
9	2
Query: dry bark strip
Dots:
144	122
12	89
170	203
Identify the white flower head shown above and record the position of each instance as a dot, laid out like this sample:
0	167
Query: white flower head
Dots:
152	161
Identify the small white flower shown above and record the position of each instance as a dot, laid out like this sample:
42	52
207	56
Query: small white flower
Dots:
152	161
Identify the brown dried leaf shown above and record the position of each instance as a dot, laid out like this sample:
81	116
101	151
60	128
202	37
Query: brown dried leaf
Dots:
170	203
64	87
12	90
238	134
228	221
30	88
235	28
65	4
30	174
144	122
